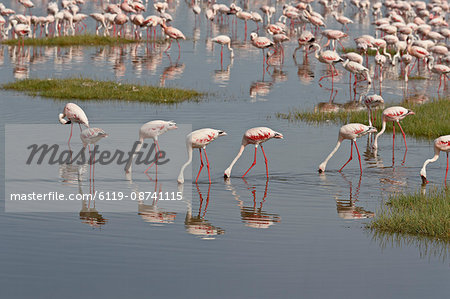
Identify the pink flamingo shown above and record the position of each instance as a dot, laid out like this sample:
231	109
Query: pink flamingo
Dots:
27	4
254	136
327	57
305	39
74	114
173	33
440	69
151	130
416	51
441	144
350	132
261	42
92	136
223	40
199	139
393	114
371	102
357	69
333	36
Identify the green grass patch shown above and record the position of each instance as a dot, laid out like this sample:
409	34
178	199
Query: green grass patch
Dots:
431	119
76	40
88	89
370	52
416	214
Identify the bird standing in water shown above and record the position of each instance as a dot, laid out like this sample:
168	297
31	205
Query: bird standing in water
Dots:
74	114
255	136
441	144
350	132
199	139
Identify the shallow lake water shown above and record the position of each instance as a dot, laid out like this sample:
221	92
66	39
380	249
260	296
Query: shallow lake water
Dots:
298	233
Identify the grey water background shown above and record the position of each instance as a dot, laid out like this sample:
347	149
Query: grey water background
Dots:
304	237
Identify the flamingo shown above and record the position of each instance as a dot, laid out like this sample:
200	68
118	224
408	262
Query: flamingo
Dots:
371	102
243	15
328	57
342	20
350	132
173	33
92	136
305	39
27	4
254	136
261	42
333	36
152	130
199	139
441	144
223	40
380	60
393	114
357	69
416	51
406	59
74	114
21	30
440	69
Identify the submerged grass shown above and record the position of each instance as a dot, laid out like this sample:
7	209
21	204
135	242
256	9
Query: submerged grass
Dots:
76	40
416	214
431	119
88	89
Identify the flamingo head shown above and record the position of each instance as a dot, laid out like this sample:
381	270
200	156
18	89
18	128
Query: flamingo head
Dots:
171	125
278	135
253	35
322	167
222	133
410	112
423	175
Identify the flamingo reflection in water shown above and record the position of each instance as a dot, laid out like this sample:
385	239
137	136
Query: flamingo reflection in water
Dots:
197	224
347	209
88	213
254	216
152	213
92	136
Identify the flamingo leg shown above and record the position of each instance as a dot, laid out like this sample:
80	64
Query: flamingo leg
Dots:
80	127
70	137
207	166
393	136
359	157
446	171
265	160
156	158
201	165
253	164
351	156
440	82
403	133
170	44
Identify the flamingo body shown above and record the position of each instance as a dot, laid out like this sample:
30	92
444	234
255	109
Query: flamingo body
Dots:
350	132
254	136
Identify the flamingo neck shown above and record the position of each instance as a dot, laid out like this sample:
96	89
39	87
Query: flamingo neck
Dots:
181	175
423	171
375	144
134	150
228	170
323	165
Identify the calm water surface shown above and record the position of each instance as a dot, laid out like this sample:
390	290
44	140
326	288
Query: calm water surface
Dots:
298	233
